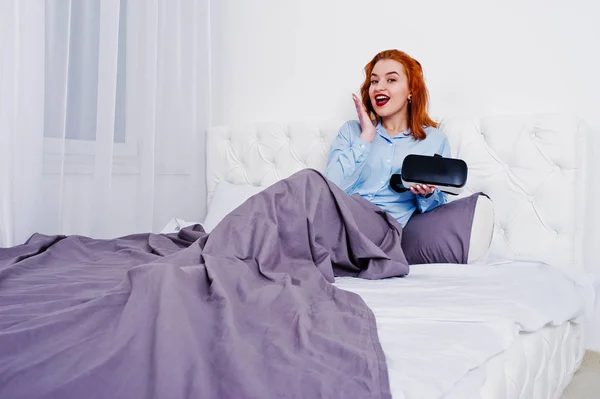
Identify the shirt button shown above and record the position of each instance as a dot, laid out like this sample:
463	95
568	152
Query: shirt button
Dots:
389	160
391	145
362	146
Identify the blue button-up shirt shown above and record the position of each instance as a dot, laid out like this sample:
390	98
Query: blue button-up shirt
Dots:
358	166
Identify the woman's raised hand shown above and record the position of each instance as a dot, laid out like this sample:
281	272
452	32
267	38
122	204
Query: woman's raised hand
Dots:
367	128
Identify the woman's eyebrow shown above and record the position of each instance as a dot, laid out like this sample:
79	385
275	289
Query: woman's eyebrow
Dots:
389	73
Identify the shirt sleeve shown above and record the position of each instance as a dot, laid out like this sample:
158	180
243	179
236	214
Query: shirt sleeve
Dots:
437	198
347	158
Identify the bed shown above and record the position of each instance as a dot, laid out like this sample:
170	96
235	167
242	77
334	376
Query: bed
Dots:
261	299
532	346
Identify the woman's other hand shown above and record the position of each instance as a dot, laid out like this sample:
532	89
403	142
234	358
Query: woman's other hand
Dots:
367	128
422	189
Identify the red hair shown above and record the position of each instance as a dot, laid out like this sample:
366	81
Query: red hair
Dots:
417	108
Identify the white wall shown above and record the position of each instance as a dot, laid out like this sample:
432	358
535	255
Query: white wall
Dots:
292	59
276	60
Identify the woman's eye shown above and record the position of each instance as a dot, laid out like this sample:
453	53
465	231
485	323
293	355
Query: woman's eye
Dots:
391	80
373	82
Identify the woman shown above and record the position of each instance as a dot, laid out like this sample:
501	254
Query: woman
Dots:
392	123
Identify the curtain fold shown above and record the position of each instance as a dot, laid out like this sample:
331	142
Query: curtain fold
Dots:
108	45
21	110
99	115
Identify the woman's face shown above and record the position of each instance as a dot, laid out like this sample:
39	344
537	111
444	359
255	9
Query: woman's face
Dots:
389	88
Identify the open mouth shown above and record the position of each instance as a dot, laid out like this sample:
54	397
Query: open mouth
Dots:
381	100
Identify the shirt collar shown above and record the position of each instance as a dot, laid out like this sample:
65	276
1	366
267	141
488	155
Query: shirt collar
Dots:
384	134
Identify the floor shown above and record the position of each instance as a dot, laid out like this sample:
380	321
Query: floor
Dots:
586	381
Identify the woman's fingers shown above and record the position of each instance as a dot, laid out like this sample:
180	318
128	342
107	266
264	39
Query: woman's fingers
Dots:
367	127
360	108
422	189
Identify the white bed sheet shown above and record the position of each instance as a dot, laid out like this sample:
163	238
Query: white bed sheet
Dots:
442	323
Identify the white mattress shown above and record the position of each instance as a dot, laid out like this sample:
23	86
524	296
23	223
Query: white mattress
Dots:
538	365
469	331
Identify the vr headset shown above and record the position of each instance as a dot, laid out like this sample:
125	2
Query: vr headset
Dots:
447	174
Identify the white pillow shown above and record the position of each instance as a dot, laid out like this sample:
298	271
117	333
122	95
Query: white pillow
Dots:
482	229
225	199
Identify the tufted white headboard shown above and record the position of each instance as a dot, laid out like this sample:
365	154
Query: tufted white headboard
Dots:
532	167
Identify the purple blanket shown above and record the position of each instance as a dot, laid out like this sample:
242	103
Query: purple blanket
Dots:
246	311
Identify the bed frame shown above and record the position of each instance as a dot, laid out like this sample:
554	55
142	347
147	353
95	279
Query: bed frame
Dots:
532	167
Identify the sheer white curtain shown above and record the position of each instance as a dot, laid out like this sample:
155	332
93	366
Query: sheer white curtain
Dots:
103	105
